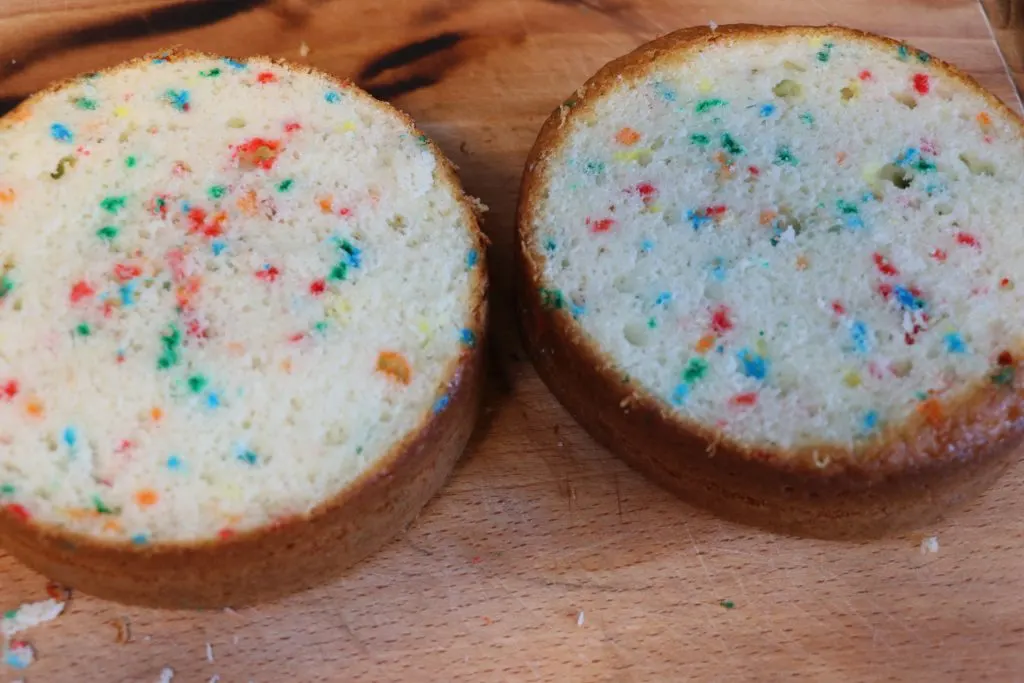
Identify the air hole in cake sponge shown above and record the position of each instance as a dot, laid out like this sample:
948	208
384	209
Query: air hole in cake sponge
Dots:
897	176
636	334
788	89
976	165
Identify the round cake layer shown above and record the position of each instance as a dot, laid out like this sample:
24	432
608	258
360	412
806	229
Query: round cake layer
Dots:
228	289
794	239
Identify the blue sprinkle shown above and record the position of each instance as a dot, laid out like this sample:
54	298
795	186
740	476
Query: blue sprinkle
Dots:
870	420
906	299
70	436
467	337
233	64
680	393
907	156
218	247
186	207
867	197
160	60
720	349
859	332
174	463
549	245
667	93
754	365
955	343
140	539
177	99
213	400
247	456
663	298
442	403
767	110
646	246
854	222
17	658
576	310
472	257
128	293
332	97
697	219
718	270
60	133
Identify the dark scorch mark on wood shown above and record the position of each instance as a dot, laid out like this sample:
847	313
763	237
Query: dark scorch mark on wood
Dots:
412	66
181	16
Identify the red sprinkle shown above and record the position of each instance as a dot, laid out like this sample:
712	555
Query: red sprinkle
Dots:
1005	358
9	390
19	511
645	189
80	290
225	534
921	84
266	77
754	170
297	337
292	127
967	239
317	287
939	255
716	210
258	152
603	225
747	399
883	265
864	75
720	321
125	272
838	308
268	273
885	290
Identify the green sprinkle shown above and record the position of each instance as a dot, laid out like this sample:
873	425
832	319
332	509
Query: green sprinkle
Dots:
113	204
101	507
339	272
571	102
6	285
216	191
707	105
130	162
784	156
85	103
108	233
807	118
551	299
594	168
846	207
825	54
321	326
422	139
170	356
1004	376
699	139
696	369
83	329
6	489
10	614
727	604
549	244
197	383
924	165
652	323
285	185
923	57
210	73
731	146
903	52
62	167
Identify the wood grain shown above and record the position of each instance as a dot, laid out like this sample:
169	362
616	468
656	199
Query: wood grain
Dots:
544	559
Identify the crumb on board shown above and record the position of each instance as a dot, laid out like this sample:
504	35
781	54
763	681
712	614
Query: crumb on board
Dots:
209	652
166	675
929	544
579	618
215	678
303	49
19	655
123	630
727	604
713	26
29	615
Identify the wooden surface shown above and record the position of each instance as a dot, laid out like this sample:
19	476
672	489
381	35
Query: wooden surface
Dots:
544	559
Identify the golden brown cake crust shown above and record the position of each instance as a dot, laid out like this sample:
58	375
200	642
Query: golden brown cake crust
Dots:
301	552
909	476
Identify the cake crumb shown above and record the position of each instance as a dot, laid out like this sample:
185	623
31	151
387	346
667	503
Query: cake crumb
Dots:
579	619
19	655
303	49
929	545
29	615
209	652
713	25
167	675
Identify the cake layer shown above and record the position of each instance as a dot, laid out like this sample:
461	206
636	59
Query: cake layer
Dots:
228	289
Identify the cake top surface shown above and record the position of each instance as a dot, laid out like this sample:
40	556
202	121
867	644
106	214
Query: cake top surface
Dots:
228	289
798	238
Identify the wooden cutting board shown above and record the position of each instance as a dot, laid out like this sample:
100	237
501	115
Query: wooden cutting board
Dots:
544	559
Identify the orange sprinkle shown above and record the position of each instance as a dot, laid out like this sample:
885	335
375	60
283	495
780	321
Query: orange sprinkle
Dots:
146	497
286	365
394	365
767	216
80	513
7	196
34	407
113	525
932	411
627	136
705	343
236	349
247	203
325	202
840	157
802	262
984	119
156	413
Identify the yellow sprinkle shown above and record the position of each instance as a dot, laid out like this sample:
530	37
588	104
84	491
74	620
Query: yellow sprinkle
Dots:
761	346
851	378
337	309
816	42
348	126
121	111
704	85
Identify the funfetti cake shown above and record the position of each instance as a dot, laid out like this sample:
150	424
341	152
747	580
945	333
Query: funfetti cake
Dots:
241	312
779	269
